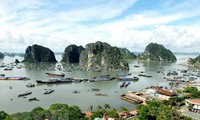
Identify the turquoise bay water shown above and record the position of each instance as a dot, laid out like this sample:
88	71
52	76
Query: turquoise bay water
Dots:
64	92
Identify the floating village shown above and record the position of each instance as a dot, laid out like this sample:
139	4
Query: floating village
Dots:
178	79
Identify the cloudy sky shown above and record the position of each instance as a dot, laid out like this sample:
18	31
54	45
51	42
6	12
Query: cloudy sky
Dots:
124	23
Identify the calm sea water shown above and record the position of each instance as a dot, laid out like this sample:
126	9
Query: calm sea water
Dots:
63	92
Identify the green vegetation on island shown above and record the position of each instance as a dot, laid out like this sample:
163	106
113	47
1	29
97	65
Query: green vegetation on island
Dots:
157	52
72	54
102	56
127	54
195	61
37	53
1	55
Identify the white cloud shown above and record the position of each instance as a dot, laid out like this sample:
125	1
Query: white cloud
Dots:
58	24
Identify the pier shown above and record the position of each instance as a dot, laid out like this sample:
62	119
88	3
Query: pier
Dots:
133	97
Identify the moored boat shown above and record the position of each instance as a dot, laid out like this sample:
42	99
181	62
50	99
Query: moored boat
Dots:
24	93
122	85
54	81
76	91
101	94
30	85
127	84
49	91
33	99
56	74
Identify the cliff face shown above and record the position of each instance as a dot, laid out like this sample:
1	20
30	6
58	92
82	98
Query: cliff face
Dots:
37	53
72	54
127	54
102	56
157	52
1	55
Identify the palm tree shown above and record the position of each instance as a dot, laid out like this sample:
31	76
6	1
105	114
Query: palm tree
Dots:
91	108
99	107
106	106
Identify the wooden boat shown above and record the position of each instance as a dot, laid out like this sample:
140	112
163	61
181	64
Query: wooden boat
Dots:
143	75
122	85
49	91
16	78
24	94
127	84
100	94
95	89
130	79
33	99
75	91
56	74
30	85
102	78
54	81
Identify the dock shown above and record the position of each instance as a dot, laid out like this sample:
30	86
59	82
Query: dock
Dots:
133	97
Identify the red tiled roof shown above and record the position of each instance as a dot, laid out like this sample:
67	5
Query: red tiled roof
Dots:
193	101
165	92
87	114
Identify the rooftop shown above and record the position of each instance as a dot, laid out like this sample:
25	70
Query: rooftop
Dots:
193	101
165	92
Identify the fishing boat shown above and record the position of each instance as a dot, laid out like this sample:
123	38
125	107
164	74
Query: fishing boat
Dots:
127	84
24	93
130	79
49	91
95	89
102	78
33	99
54	81
56	74
30	85
122	85
100	94
76	91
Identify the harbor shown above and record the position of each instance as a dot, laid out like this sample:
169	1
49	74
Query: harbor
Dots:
109	89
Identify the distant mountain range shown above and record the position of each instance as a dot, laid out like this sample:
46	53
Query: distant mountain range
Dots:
176	53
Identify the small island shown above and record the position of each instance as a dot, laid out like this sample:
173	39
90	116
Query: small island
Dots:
157	52
1	55
37	53
102	56
195	61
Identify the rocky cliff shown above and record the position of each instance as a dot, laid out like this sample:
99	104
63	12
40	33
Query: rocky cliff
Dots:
37	53
195	61
102	56
72	54
1	55
157	52
127	54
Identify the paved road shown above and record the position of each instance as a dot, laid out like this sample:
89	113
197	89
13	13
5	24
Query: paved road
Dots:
193	115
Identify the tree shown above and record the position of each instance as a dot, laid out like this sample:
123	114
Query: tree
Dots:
91	108
99	107
3	115
106	106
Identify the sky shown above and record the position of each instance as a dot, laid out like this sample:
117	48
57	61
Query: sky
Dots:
123	23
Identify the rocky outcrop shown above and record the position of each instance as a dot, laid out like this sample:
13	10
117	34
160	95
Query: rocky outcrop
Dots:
157	52
127	54
1	55
72	54
195	61
102	56
37	53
